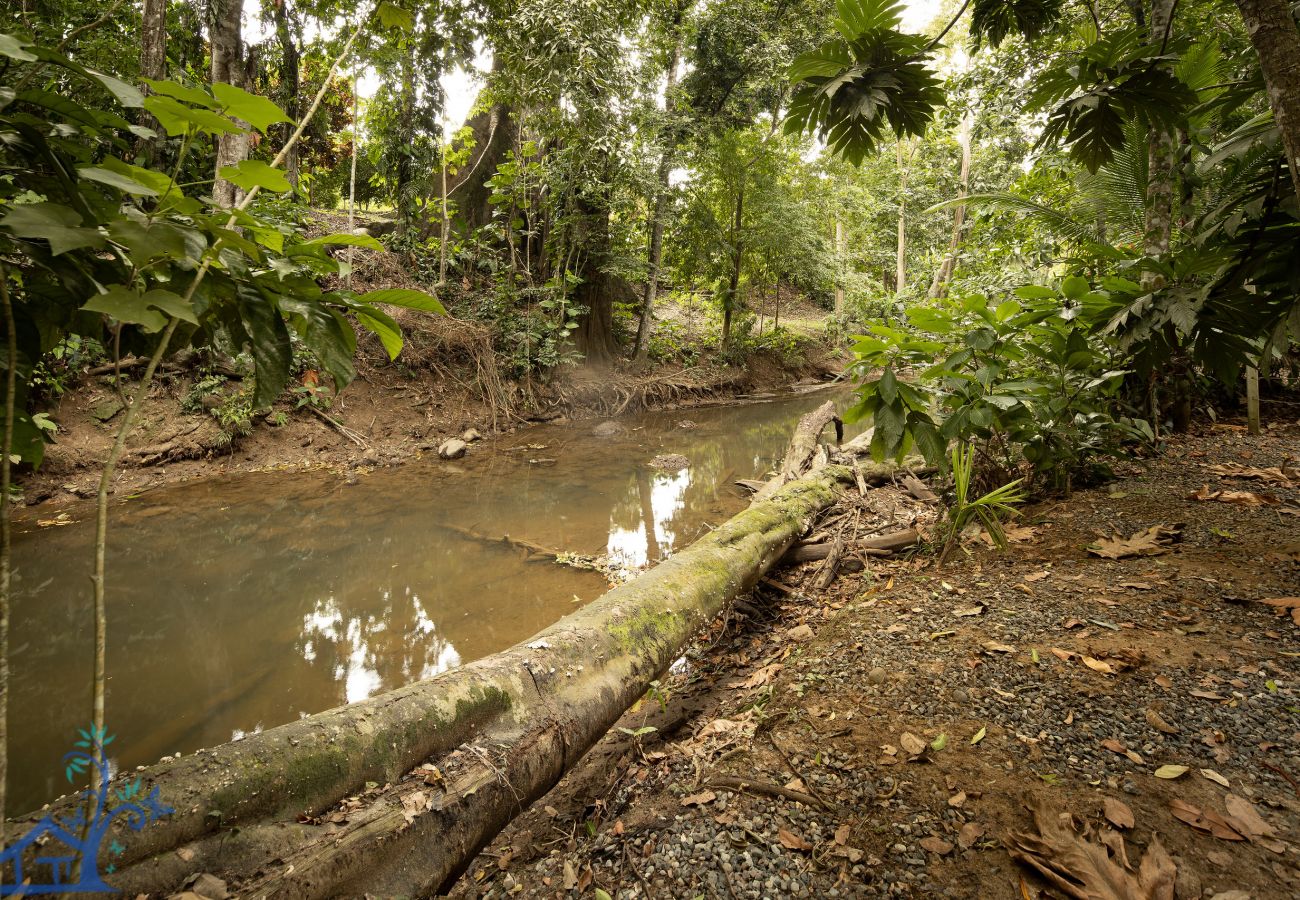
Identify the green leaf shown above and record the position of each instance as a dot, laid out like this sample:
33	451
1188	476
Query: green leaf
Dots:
122	182
979	736
127	305
364	241
406	298
383	325
172	304
939	743
251	173
182	92
148	242
272	350
127	94
12	47
179	119
392	16
238	103
887	386
1074	287
1035	292
53	222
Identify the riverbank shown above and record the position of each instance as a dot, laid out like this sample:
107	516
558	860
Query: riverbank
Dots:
196	422
889	735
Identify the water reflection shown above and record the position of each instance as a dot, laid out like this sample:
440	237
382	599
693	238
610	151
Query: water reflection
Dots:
660	497
237	604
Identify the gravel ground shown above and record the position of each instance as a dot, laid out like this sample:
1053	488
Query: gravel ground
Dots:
882	737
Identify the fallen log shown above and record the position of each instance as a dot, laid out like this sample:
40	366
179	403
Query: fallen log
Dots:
885	544
498	733
804	444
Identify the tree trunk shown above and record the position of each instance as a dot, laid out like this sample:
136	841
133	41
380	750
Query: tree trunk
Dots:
900	259
660	207
595	334
501	732
1252	400
737	260
153	61
1276	40
1159	214
404	177
839	267
939	287
289	77
228	66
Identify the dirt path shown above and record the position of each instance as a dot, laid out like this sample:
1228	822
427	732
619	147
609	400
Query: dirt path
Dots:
892	745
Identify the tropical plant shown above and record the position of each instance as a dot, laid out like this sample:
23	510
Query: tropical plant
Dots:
989	509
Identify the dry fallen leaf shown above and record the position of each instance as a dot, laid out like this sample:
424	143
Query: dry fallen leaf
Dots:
1214	776
1098	666
969	834
1063	655
914	745
1118	813
792	841
1206	820
1241	498
842	834
936	845
1085	870
1149	542
962	611
1272	475
997	647
699	799
1171	772
1037	576
1156	721
763	676
1245	813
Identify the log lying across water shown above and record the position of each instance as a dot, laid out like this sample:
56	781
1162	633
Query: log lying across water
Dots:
494	735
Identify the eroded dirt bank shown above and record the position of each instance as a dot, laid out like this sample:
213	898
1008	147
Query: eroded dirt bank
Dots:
442	386
888	736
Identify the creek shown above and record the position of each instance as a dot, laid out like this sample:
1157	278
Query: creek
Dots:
238	603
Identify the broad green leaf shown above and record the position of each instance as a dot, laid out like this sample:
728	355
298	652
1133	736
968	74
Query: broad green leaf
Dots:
122	182
127	305
405	298
1006	310
178	119
887	386
251	173
344	240
238	103
12	47
53	222
148	242
383	325
190	95
1074	287
939	743
172	304
1035	292
127	94
272	349
392	16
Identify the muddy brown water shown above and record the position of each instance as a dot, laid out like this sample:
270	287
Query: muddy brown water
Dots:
239	603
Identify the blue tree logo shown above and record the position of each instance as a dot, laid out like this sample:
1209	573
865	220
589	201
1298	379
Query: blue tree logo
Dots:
62	855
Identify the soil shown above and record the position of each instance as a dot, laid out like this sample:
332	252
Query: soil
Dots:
890	735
